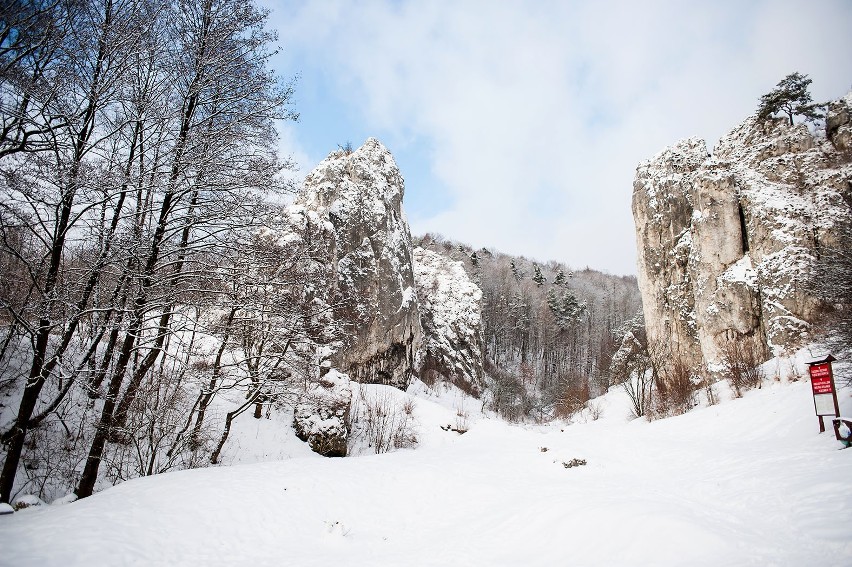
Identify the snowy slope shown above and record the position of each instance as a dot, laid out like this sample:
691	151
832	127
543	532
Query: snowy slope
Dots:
745	482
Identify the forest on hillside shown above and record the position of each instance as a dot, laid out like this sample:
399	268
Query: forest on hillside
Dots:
549	331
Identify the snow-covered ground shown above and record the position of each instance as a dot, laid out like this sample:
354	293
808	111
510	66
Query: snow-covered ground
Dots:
745	482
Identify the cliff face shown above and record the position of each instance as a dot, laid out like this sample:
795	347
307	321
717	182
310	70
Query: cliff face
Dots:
727	242
360	194
450	306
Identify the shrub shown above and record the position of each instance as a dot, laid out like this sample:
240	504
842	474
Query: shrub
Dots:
384	423
462	423
742	364
675	390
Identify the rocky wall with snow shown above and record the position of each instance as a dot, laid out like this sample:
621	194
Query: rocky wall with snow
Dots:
321	415
360	194
726	242
450	307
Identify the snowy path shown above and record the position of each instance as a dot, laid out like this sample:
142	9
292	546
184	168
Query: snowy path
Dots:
746	482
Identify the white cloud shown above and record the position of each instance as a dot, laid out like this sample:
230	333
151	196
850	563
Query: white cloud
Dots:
538	113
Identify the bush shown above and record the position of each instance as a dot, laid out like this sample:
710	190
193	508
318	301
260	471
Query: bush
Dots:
831	282
462	420
742	364
573	396
509	398
383	422
675	390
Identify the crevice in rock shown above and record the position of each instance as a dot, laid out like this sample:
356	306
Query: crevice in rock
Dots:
743	228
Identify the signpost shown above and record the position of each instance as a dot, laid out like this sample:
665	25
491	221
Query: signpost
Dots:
822	385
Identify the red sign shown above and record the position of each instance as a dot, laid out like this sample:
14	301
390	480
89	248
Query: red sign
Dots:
821	385
820	370
821	378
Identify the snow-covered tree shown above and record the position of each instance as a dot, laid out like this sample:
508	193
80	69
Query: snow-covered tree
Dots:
538	277
137	151
566	309
516	273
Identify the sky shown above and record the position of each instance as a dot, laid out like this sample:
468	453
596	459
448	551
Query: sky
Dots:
518	126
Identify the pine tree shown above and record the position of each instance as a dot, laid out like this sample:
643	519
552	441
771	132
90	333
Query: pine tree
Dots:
538	277
560	278
791	97
566	309
515	272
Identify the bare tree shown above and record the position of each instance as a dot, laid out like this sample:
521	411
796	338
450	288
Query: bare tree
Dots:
221	155
136	152
50	194
831	281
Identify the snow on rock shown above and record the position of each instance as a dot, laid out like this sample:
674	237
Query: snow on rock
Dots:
727	242
322	414
360	195
838	123
450	306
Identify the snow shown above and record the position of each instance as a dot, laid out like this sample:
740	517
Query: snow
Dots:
741	271
746	482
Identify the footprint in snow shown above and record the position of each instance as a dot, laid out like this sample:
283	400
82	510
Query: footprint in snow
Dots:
336	529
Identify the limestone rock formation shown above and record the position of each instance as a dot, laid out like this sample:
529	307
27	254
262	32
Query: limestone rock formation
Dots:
322	414
450	306
727	242
360	193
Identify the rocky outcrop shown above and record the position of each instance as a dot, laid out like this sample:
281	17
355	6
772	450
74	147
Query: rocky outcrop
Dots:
349	215
360	194
450	306
321	416
727	242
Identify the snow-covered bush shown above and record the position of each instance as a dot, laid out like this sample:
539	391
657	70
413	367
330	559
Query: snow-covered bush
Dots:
381	420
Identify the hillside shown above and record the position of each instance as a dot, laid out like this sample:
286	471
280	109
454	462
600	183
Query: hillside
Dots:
745	482
549	330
